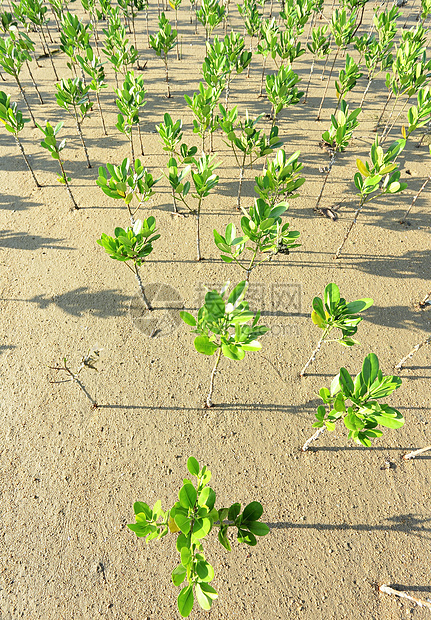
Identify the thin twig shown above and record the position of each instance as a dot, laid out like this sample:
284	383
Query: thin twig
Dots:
389	590
209	402
415	453
313	438
412	352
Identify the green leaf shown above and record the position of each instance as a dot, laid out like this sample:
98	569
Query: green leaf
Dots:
205	595
215	304
223	540
232	351
201	528
205	571
370	369
234	511
185	601
352	422
178	575
186	556
258	528
193	466
237	292
188	318
331	297
204	345
346	382
183	522
246	537
187	496
318	308
252	512
359	306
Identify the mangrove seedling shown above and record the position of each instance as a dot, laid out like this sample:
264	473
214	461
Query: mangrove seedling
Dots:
202	105
72	95
204	180
347	79
267	45
281	178
338	137
263	233
210	15
247	142
74	38
335	312
223	328
93	67
162	42
126	183
50	144
12	58
319	47
194	516
130	98
14	122
281	90
376	179
117	48
132	244
364	413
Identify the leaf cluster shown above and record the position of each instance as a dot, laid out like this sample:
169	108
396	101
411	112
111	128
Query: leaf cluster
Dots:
364	414
381	174
222	325
10	116
125	182
164	40
133	244
281	178
72	95
341	131
281	89
194	515
335	312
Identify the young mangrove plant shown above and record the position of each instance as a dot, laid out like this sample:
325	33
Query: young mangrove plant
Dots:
194	516
210	15
281	90
50	144
117	48
93	67
376	179
202	105
320	48
252	20
125	183
130	98
247	142
267	45
263	233
204	180
338	137
74	38
238	59
347	79
335	312
162	42
72	95
14	122
134	245
364	413
12	58
281	178
222	328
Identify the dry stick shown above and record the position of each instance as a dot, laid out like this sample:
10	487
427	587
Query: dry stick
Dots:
388	131
132	150
69	191
408	15
403	220
25	99
241	177
327	85
74	379
346	236
27	162
316	435
34	83
198	240
140	139
167	78
415	453
412	352
263	73
209	402
389	590
310	26
331	163
426	300
365	93
44	52
313	355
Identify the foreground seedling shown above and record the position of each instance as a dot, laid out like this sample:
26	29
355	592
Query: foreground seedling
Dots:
162	42
132	244
263	232
194	516
222	328
364	413
335	312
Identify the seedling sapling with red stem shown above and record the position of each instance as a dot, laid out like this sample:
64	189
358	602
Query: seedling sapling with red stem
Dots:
380	176
335	312
222	328
364	414
263	232
14	122
193	517
50	144
134	245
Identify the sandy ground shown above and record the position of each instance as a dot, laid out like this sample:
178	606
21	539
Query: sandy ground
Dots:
343	519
